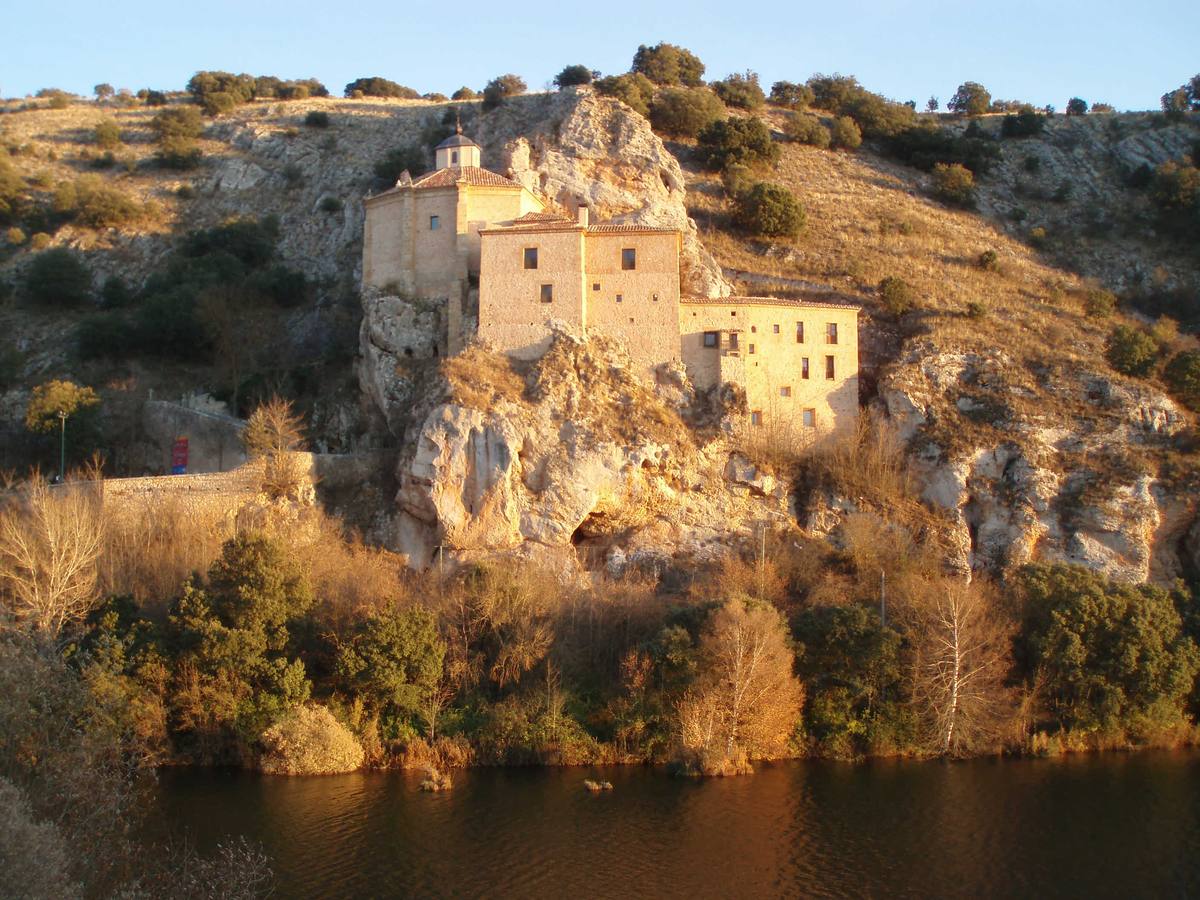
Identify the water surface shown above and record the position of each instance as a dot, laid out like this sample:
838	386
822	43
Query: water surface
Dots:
1094	826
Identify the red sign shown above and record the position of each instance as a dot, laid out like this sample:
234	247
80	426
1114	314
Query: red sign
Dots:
179	456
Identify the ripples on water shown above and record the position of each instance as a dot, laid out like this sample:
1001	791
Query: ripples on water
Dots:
1111	826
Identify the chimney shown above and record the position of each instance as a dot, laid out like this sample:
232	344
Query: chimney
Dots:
582	215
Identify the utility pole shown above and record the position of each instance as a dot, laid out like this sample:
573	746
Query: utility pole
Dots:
62	445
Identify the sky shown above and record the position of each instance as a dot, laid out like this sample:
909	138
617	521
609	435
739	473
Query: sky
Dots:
1124	53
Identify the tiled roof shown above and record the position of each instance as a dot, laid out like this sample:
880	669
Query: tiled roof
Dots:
472	175
768	301
542	218
630	229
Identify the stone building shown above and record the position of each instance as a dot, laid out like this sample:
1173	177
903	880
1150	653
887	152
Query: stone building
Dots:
489	249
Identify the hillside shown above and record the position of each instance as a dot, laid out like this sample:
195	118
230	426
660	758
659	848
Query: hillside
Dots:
1019	431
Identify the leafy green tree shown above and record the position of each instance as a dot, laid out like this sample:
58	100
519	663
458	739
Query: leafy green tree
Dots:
103	91
1112	658
898	296
1026	122
740	91
464	93
177	128
685	112
501	88
107	134
12	191
52	399
844	134
791	95
379	87
744	142
395	660
971	99
1182	375
58	278
633	89
572	75
932	104
769	210
411	159
219	92
954	184
1175	193
1131	351
804	128
667	64
1077	106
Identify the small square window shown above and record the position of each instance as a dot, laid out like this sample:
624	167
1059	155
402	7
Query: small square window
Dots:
712	339
810	418
804	368
435	223
799	332
829	368
733	312
785	391
547	293
756	417
775	329
531	257
629	259
620	298
733	340
595	285
631	320
751	350
754	329
831	333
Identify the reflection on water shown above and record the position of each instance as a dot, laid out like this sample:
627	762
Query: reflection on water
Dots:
1089	826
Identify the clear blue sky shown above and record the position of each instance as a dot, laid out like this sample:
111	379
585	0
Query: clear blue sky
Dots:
1126	53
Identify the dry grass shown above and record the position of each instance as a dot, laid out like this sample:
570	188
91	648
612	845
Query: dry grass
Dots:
478	378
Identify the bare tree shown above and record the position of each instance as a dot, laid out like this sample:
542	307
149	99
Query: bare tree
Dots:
50	540
961	640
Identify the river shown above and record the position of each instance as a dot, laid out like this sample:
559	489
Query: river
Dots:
1089	826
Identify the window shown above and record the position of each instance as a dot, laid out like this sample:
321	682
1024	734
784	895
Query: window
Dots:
804	368
454	157
629	259
756	417
712	339
810	418
785	391
754	329
831	333
595	285
799	332
655	298
620	297
751	350
776	328
733	340
531	257
434	223
547	293
733	312
829	367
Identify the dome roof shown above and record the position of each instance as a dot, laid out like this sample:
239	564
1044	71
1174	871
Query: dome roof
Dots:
457	139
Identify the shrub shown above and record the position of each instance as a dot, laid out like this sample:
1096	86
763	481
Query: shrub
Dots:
330	204
115	293
1099	303
954	184
411	159
178	154
633	89
685	112
95	204
897	295
155	98
976	310
988	261
668	64
925	145
740	91
308	740
1131	351
317	119
218	92
804	128
572	75
395	660
58	278
1175	104
379	87
12	190
1027	122
1175	193
107	134
219	103
791	95
500	89
464	93
737	141
844	134
736	179
177	122
769	210
39	241
14	236
1038	236
1182	375
971	98
1077	107
1105	108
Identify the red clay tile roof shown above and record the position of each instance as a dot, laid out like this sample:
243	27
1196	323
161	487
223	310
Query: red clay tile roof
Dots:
769	301
631	229
472	175
542	218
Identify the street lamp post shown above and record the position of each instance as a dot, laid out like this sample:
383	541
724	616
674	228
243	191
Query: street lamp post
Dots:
62	445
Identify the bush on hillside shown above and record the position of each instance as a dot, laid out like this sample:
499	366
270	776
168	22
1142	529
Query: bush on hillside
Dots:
804	128
740	91
954	184
1099	303
154	98
685	112
573	75
769	210
633	89
667	64
500	89
1077	106
791	95
308	740
744	142
875	115
844	134
464	93
379	87
94	203
12	191
897	295
412	159
218	92
989	261
107	134
1027	122
1175	193
925	145
1182	375
1131	351
971	99
58	278
177	122
317	119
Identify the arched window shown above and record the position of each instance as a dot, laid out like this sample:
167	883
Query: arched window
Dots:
454	158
